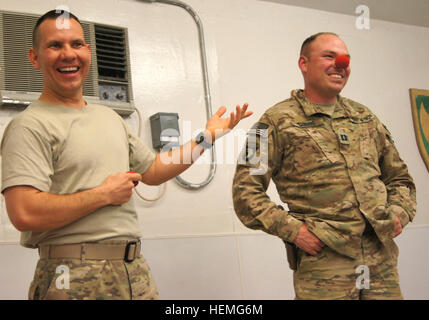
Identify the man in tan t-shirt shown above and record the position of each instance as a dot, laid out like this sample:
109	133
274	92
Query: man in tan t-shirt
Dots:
65	180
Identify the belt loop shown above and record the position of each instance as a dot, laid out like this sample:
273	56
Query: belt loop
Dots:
82	252
127	251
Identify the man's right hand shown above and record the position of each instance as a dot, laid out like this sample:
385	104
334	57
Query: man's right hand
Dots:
119	187
308	242
30	209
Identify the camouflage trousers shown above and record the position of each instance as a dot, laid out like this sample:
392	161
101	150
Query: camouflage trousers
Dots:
73	279
330	275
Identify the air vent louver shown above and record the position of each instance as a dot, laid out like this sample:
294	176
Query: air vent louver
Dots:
109	78
111	53
20	74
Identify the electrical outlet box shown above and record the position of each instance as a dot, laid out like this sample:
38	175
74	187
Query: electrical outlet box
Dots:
165	130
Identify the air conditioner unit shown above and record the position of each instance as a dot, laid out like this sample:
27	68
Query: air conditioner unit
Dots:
109	78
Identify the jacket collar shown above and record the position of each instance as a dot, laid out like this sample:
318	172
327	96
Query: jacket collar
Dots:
342	107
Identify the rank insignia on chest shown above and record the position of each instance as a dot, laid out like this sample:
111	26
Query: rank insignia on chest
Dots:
344	138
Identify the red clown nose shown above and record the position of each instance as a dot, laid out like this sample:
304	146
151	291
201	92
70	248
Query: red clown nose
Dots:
135	182
342	61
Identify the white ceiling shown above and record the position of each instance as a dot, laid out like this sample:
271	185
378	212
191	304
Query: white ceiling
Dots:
413	12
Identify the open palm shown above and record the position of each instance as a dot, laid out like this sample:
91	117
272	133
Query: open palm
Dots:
218	126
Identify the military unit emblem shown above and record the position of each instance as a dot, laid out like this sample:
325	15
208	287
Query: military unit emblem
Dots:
420	110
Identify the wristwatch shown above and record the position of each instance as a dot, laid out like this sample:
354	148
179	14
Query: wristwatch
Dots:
201	140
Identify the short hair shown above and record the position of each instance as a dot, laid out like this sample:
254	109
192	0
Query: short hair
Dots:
307	42
53	14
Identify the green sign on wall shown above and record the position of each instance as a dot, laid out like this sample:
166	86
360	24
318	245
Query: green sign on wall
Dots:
420	110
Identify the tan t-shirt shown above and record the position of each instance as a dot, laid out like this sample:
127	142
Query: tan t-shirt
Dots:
63	150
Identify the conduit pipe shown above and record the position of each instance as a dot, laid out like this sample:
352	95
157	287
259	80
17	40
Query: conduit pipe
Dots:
182	182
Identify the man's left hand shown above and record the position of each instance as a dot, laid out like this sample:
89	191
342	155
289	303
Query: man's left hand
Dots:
398	227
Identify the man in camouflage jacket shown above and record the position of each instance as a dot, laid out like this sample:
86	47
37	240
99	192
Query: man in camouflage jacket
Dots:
336	166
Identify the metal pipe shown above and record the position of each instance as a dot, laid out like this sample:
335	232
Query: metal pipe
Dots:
183	183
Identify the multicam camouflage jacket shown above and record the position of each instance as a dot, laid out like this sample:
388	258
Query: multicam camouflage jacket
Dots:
337	171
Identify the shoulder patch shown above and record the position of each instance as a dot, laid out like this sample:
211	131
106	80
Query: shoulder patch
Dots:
259	129
250	153
260	125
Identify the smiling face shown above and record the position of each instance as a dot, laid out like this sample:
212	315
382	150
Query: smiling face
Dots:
323	80
64	59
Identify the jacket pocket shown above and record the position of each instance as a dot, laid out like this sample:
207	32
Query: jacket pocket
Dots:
311	147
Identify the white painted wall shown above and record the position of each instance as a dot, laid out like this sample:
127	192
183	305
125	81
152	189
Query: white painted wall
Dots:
194	244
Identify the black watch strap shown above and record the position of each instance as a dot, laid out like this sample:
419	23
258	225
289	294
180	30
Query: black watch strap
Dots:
201	140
